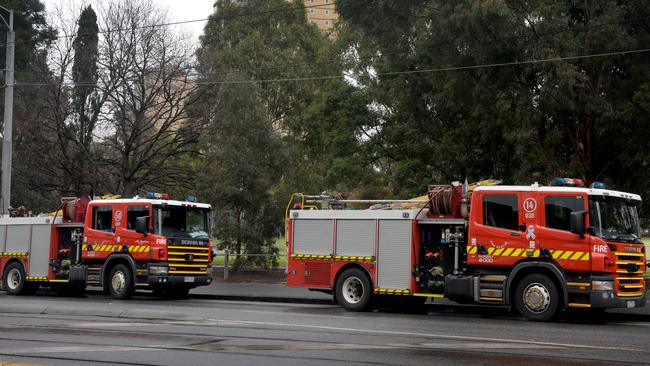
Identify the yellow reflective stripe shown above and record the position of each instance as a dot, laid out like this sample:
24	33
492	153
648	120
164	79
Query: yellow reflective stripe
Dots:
508	251
585	257
135	249
490	251
517	252
498	251
577	255
536	253
472	250
567	254
557	253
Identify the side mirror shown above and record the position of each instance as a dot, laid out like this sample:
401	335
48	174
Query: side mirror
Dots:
142	224
577	223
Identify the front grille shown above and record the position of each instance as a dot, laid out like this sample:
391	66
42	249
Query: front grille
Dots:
188	260
630	263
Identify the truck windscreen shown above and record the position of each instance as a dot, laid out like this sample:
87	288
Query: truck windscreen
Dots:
181	222
615	219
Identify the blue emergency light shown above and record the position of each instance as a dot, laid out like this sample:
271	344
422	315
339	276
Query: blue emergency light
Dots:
598	185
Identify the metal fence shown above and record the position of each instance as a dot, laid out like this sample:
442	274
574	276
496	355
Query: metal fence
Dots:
227	255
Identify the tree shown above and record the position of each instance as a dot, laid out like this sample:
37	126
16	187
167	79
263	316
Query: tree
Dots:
33	37
239	170
87	101
145	70
519	123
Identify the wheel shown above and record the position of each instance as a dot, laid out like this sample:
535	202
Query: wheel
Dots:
353	290
15	281
537	297
121	284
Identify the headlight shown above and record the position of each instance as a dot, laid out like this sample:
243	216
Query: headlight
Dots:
158	270
602	285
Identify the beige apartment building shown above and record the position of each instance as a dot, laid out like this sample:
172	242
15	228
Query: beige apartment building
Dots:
322	13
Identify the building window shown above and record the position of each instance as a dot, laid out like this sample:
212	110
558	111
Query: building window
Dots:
501	211
558	210
103	218
327	12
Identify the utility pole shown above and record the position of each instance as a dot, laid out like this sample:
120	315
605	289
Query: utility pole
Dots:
7	137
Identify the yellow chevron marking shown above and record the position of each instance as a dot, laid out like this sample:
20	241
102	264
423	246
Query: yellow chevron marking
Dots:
577	255
472	250
498	251
536	253
567	254
145	249
490	251
517	252
134	249
585	257
557	253
507	252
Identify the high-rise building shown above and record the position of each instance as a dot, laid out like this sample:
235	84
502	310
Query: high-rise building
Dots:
322	13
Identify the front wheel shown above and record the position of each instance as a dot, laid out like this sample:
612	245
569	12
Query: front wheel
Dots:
121	284
537	297
353	290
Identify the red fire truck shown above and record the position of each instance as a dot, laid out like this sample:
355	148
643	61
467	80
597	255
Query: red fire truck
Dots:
117	244
539	249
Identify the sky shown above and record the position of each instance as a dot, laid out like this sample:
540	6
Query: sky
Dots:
179	10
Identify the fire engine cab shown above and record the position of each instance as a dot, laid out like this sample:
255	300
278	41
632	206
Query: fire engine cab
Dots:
539	249
117	244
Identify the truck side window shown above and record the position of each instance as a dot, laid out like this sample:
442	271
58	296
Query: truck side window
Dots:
103	218
501	211
558	210
132	213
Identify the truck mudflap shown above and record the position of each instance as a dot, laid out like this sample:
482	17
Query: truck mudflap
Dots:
607	299
189	281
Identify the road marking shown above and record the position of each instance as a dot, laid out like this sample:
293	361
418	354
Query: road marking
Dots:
424	335
75	349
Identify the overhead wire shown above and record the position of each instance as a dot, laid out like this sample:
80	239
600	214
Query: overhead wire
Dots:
432	48
216	18
390	73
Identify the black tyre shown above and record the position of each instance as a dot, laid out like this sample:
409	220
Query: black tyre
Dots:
14	281
537	297
353	290
120	282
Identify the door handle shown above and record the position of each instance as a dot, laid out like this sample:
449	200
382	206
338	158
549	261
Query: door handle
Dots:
514	233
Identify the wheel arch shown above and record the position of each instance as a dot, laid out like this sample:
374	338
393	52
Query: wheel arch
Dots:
111	262
549	269
351	266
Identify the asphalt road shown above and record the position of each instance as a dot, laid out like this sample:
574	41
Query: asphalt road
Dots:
47	329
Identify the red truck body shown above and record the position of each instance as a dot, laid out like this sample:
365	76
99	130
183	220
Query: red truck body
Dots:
535	248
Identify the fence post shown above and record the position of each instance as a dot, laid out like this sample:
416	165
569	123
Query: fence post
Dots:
225	263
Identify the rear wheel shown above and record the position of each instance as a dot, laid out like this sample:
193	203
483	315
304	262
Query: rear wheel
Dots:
15	281
353	290
121	284
537	297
